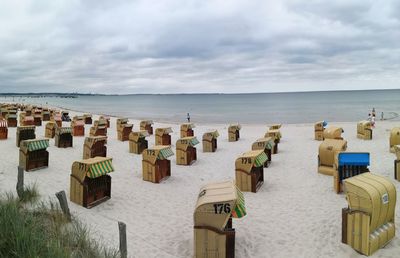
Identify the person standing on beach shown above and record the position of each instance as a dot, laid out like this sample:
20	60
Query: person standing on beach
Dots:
188	117
373	121
373	112
382	116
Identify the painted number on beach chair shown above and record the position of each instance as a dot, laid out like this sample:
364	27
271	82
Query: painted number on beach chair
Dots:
151	152
220	208
246	160
260	144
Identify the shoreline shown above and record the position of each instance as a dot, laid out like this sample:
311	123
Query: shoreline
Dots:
160	121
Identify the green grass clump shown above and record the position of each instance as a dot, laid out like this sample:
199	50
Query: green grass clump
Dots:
30	194
43	231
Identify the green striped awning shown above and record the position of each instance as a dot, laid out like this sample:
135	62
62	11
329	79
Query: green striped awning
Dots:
270	145
194	141
11	116
64	130
260	159
38	145
240	208
165	153
100	169
215	133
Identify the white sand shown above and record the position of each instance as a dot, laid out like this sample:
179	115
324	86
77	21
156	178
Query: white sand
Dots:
295	214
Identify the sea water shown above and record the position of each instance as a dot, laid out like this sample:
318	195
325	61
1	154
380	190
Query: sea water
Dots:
257	108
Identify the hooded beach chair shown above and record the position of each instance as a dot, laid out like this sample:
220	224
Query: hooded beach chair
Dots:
90	183
394	138
163	136
333	132
233	132
56	118
33	154
364	130
107	118
368	222
267	145
65	116
50	130
349	164
25	119
147	125
185	150
78	126
276	136
187	129
249	170
25	133
210	141
138	142
94	146
99	128
217	204
326	155
37	117
45	114
155	164
63	137
11	118
123	129
88	118
319	128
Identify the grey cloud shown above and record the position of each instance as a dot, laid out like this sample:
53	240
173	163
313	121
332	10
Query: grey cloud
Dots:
195	46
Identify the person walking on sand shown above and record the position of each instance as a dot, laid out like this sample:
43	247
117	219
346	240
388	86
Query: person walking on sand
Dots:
373	112
382	116
188	117
373	121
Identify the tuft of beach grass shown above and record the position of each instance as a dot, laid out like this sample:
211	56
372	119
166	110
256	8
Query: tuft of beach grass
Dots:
38	229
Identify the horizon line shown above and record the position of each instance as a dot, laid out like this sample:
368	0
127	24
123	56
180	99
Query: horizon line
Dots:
190	93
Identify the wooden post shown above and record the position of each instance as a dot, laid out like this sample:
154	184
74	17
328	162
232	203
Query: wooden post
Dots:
20	182
62	198
122	239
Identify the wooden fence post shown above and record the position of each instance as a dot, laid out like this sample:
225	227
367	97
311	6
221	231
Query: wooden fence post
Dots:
62	198
122	240
20	182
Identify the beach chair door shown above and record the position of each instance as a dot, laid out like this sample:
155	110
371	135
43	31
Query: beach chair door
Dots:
237	135
98	190
143	144
257	178
213	144
191	155
163	170
3	133
166	139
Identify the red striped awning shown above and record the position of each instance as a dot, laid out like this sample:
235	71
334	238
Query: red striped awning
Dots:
3	123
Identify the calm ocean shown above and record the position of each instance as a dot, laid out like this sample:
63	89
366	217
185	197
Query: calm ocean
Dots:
261	108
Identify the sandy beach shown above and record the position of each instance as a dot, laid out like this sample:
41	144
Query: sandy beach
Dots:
296	213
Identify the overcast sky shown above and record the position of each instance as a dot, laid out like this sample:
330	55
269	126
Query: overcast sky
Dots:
172	46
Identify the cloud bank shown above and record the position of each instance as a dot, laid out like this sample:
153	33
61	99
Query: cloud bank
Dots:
171	46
